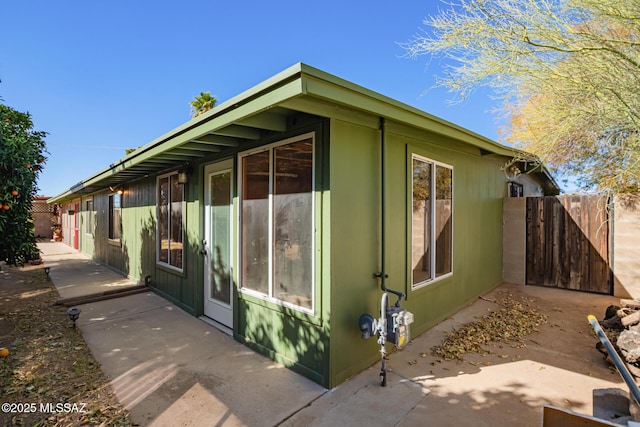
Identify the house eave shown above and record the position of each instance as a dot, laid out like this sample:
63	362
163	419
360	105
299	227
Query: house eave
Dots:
261	110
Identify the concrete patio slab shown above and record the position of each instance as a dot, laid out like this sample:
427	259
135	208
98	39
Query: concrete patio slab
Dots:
166	365
508	386
169	368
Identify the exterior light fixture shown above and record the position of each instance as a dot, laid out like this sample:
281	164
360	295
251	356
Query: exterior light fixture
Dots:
184	172
73	314
117	190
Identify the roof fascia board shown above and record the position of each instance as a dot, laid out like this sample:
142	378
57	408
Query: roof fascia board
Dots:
322	108
379	105
319	84
60	197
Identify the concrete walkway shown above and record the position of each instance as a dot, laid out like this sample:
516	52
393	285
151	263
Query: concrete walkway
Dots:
169	368
75	274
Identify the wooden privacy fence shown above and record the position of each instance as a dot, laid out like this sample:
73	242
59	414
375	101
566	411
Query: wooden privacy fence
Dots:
567	243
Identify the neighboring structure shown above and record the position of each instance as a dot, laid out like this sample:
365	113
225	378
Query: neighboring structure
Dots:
625	251
70	223
42	212
271	213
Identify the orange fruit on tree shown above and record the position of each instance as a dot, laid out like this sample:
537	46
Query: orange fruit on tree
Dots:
14	193
6	207
4	352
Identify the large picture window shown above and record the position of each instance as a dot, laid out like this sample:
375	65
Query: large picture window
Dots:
115	213
276	220
170	235
431	220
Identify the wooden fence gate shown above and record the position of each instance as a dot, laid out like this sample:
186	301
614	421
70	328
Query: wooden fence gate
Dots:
568	243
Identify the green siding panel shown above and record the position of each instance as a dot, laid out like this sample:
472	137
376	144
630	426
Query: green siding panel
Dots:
355	244
293	338
139	228
355	234
135	255
280	333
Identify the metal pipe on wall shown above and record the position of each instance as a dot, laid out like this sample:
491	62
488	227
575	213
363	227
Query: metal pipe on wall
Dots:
382	274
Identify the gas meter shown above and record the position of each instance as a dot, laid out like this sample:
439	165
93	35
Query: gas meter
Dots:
398	321
392	326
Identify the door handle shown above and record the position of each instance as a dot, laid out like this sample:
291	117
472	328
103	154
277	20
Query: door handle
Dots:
203	251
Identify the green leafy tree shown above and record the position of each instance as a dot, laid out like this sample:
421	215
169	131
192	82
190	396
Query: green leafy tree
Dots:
568	72
202	103
22	156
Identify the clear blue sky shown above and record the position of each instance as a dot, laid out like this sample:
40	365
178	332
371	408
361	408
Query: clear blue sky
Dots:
101	77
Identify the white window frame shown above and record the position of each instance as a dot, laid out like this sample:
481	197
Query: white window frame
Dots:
158	240
89	218
270	296
433	279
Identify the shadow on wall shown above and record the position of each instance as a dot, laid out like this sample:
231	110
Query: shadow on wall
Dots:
567	243
283	336
109	248
147	248
178	278
577	242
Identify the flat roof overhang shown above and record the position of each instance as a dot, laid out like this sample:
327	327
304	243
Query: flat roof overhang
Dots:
264	109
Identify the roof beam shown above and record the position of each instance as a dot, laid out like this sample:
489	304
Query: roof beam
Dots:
148	169
186	152
159	162
239	132
212	139
267	121
170	155
199	147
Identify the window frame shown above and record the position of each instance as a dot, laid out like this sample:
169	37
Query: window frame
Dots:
159	262
89	217
111	210
515	189
270	295
434	278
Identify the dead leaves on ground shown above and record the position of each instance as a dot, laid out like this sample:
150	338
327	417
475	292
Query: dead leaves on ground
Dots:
49	362
509	324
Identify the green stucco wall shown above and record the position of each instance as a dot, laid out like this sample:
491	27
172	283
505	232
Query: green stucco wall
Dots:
355	233
298	340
